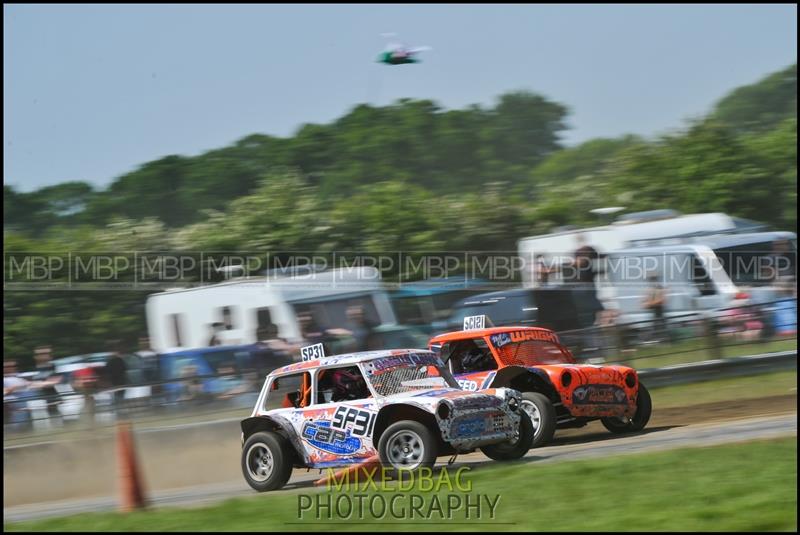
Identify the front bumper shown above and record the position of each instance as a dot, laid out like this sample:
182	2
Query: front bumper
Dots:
601	400
471	423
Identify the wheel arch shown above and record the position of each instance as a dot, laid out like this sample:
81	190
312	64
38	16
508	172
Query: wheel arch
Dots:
403	411
256	424
526	380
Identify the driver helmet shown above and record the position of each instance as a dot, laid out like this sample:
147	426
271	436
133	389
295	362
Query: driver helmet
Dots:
348	385
474	359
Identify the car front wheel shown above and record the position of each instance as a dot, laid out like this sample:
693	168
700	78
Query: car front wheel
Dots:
542	414
266	461
407	445
515	448
644	407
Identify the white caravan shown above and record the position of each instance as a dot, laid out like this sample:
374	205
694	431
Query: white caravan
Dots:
234	311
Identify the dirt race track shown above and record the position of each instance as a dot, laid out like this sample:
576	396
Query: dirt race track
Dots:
195	465
708	412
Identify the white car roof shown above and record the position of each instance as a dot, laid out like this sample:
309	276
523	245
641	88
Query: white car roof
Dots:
347	358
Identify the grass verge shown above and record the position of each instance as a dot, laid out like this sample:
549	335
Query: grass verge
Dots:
741	487
733	388
683	352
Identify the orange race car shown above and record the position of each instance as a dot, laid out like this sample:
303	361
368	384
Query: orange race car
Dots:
557	392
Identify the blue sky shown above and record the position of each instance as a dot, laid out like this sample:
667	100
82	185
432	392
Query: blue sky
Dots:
91	92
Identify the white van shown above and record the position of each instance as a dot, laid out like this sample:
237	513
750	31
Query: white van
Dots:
234	311
692	276
707	273
759	264
630	230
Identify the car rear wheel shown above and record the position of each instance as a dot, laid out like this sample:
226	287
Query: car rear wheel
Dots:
542	415
644	407
515	448
407	445
266	461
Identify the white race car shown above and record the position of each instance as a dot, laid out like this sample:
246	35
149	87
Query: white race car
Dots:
401	405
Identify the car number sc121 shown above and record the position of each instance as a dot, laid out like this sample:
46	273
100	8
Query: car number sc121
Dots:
474	322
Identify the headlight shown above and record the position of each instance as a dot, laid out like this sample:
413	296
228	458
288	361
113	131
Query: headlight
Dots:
630	380
513	404
443	411
566	379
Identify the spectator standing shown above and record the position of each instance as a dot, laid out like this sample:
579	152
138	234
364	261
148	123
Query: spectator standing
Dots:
149	360
14	390
655	301
46	379
273	351
589	307
541	271
311	333
362	329
191	385
85	381
118	377
229	383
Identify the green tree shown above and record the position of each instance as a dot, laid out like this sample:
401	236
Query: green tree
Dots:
762	105
707	169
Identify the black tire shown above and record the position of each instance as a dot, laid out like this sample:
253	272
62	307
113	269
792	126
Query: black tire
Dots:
644	407
543	418
512	449
407	445
272	476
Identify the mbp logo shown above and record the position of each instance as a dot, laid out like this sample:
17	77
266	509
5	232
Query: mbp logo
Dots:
27	268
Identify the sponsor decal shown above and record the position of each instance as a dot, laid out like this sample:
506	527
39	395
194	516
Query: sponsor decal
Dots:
467	384
501	339
322	436
488	380
433	393
599	394
375	367
470	427
482	380
479	401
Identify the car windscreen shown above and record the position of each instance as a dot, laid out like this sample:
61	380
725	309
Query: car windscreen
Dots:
409	372
529	348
